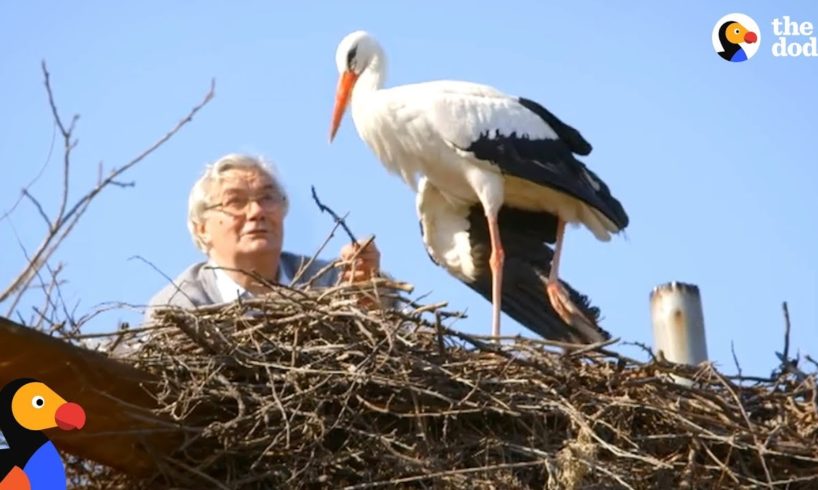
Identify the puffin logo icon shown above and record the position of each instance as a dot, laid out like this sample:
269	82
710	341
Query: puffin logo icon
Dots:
736	37
28	408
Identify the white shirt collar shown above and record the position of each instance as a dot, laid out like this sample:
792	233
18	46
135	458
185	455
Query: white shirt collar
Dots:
229	289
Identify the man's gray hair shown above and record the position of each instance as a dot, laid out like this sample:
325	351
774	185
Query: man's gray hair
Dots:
200	195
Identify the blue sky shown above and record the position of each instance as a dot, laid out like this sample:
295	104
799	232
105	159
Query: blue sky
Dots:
715	162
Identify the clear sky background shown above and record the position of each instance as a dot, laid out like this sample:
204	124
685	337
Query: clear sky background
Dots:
715	162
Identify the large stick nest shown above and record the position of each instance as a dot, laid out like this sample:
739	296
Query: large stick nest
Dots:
308	389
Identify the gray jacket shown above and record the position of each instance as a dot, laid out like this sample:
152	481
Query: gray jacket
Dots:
196	285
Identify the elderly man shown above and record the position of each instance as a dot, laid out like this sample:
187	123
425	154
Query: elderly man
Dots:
236	214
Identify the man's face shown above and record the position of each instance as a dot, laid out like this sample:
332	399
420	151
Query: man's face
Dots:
245	218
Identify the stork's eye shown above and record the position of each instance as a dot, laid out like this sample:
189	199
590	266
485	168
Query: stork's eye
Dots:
38	402
351	58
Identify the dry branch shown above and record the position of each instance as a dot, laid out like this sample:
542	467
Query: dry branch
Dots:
66	217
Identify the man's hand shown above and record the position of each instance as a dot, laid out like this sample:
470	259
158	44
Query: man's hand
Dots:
367	262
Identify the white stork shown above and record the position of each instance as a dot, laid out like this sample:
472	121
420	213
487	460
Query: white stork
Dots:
474	145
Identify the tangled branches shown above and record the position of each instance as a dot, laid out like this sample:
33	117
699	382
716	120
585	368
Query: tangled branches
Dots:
54	315
304	389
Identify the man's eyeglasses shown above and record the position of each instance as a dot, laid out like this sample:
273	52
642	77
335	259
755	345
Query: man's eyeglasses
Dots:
238	203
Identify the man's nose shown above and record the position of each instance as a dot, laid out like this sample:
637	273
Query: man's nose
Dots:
254	210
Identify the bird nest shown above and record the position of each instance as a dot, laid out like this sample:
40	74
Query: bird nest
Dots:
313	389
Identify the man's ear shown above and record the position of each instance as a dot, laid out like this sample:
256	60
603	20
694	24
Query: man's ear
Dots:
202	233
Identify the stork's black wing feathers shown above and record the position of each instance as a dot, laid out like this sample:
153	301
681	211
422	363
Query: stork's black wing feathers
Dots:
550	162
525	272
575	141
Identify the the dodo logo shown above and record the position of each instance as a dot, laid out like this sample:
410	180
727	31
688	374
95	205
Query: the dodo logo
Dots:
28	408
736	37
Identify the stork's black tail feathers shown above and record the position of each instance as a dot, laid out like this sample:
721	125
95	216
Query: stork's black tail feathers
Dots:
525	276
526	301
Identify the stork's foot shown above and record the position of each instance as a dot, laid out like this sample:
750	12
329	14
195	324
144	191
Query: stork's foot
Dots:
565	308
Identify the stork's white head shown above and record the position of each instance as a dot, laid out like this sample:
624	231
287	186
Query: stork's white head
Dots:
356	52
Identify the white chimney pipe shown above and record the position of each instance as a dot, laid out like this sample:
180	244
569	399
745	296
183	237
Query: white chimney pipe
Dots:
678	323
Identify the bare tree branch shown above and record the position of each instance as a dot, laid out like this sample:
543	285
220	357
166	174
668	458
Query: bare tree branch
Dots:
39	208
48	293
67	217
67	144
36	177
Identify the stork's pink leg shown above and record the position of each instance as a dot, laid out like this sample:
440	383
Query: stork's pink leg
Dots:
559	297
496	263
553	276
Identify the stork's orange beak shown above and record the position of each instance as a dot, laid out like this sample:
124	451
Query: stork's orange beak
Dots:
345	84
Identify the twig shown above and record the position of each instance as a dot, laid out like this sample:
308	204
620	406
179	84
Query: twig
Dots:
442	474
787	364
162	273
34	180
332	213
786	331
644	348
39	208
305	267
735	359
